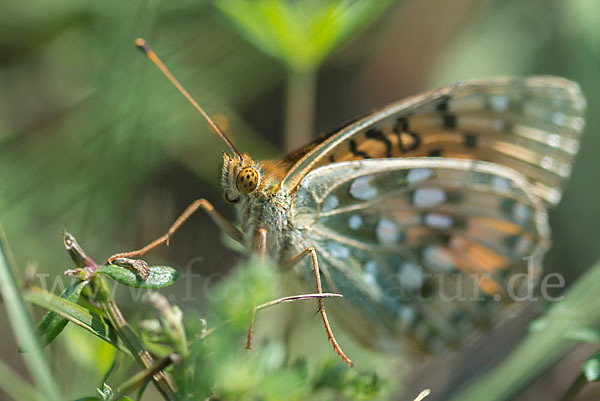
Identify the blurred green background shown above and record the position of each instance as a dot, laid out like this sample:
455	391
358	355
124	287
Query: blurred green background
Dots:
95	140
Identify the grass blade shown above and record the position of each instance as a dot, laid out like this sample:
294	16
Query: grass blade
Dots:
541	348
22	327
15	386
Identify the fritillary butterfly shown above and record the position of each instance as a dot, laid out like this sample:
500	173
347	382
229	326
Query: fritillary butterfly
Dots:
411	209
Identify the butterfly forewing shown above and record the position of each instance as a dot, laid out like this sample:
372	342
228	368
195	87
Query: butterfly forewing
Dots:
531	125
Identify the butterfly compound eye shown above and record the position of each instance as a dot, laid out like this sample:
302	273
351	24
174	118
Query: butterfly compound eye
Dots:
247	180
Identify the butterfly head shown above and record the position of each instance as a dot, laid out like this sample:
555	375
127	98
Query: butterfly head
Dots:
240	177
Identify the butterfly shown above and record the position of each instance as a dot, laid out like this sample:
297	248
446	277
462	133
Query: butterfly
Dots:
420	214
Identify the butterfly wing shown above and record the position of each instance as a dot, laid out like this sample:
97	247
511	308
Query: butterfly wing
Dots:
531	125
411	243
436	201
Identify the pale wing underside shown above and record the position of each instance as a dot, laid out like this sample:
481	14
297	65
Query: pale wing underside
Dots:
531	125
392	233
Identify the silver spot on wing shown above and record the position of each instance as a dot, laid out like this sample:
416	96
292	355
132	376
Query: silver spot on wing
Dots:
337	250
362	189
411	276
521	213
500	183
418	174
355	222
387	232
499	102
406	317
370	273
428	197
437	258
553	140
439	221
330	203
523	246
547	162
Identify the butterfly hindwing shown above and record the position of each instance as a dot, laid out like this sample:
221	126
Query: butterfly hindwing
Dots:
391	232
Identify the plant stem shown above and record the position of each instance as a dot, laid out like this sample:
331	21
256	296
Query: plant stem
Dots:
129	338
575	388
142	377
299	108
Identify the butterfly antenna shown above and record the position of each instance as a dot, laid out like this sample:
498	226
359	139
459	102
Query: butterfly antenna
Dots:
143	46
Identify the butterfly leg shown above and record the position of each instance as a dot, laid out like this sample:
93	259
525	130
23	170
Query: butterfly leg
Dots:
283	300
315	265
203	204
262	243
261	246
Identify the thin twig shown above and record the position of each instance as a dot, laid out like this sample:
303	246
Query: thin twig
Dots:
575	388
142	377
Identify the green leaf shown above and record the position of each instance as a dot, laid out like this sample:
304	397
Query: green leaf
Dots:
52	323
159	277
591	368
299	34
74	313
23	328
